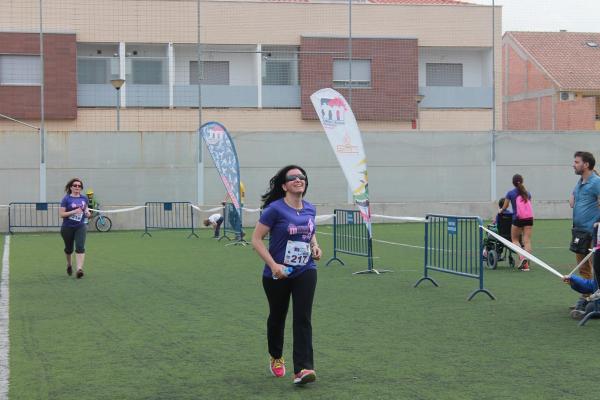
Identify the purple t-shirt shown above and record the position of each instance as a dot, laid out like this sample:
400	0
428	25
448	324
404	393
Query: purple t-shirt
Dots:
512	196
287	224
70	203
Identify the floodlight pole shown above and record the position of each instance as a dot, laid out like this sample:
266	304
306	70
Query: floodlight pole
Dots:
200	165
493	133
42	115
350	195
350	52
118	84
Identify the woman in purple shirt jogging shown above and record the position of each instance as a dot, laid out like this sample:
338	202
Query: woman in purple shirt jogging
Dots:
74	211
290	268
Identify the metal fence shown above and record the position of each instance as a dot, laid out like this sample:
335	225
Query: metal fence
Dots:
454	245
168	215
33	215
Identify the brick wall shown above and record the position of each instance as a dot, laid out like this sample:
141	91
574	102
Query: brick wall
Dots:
517	73
536	79
579	114
522	115
60	75
394	76
544	112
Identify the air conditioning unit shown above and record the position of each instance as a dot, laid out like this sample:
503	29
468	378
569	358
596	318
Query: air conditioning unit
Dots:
567	96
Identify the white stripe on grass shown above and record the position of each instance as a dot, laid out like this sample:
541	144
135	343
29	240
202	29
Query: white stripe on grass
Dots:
4	342
375	240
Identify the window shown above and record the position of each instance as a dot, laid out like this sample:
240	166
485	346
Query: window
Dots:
97	70
146	72
277	72
214	72
280	65
438	74
20	70
361	73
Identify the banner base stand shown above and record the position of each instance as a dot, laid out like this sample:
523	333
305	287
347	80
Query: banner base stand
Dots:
372	271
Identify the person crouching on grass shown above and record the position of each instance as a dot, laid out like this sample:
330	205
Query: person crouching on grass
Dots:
289	268
74	210
215	220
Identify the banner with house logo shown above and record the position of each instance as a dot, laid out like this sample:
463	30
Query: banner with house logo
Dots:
222	150
344	136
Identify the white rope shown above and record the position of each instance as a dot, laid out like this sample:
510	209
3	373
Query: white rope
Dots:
4	318
408	219
522	252
120	210
206	211
252	210
324	217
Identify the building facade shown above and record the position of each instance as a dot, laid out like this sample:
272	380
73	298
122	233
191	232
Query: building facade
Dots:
420	64
551	81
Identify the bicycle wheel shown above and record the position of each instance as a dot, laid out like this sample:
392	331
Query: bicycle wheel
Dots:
103	224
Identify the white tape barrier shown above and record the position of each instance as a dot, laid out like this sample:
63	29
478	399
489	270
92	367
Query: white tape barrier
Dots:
319	218
407	219
324	217
206	211
120	210
522	252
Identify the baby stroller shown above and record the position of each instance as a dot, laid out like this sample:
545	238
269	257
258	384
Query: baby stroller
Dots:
494	251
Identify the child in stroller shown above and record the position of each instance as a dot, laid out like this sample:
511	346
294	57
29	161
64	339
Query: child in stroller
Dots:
493	249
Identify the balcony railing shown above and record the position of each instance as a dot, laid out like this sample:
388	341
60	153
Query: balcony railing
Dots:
273	96
456	97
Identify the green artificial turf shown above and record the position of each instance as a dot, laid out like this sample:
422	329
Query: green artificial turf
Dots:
167	317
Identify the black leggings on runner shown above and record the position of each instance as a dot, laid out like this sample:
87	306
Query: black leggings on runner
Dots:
74	236
302	291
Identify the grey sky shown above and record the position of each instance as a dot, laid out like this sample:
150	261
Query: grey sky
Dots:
549	15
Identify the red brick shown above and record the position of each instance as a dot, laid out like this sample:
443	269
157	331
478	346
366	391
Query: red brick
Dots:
394	76
60	76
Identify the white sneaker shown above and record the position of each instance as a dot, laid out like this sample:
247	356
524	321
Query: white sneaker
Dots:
594	296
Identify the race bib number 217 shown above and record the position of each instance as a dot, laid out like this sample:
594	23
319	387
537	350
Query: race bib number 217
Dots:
296	253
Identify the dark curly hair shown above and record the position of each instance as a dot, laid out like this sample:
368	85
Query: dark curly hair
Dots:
275	191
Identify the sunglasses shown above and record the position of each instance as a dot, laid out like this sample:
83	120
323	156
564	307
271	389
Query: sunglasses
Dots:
76	185
291	178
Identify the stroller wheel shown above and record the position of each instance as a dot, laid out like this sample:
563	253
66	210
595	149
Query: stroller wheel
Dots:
492	259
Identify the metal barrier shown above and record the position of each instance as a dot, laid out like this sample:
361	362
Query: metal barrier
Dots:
351	236
454	244
232	224
168	215
33	215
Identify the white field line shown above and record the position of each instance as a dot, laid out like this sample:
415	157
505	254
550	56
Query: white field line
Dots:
377	240
4	342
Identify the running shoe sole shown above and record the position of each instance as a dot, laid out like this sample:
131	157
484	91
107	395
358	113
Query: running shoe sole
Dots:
304	379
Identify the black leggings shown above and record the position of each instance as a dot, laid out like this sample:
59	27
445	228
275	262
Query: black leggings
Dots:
302	291
74	236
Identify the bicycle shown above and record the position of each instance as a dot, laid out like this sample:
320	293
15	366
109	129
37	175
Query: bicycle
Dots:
101	222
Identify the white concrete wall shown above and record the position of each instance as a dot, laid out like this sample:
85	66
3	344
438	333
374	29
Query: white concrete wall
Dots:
410	173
